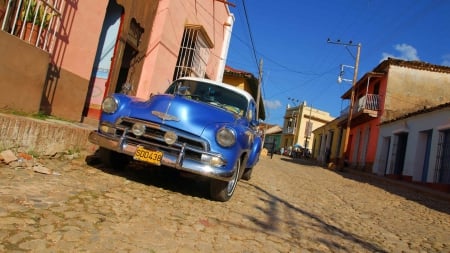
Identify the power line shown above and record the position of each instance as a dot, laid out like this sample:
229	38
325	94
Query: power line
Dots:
275	62
250	34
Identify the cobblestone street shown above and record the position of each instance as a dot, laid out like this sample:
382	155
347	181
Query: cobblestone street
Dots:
286	207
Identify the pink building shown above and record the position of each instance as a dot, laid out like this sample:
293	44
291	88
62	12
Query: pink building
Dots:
89	49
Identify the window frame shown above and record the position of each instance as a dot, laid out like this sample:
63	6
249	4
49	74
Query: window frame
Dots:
194	53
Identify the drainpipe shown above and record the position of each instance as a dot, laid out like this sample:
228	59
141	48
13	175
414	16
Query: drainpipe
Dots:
228	27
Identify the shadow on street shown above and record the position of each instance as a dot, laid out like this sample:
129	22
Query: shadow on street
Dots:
276	205
159	176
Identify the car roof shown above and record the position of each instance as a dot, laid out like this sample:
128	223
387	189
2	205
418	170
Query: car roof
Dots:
227	86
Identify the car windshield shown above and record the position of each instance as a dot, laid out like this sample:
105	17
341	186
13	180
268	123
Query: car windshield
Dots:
212	94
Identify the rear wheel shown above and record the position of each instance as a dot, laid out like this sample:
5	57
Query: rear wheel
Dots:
223	190
112	159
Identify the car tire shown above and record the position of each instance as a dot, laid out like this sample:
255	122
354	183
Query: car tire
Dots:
112	159
223	190
247	174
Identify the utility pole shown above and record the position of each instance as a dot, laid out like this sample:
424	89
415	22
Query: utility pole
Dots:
258	96
308	128
352	98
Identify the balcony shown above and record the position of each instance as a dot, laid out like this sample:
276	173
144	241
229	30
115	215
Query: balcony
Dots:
289	130
367	105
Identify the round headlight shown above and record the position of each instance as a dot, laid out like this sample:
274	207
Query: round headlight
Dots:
226	137
110	105
170	137
138	129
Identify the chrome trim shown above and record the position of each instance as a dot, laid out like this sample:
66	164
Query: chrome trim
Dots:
176	160
152	130
165	116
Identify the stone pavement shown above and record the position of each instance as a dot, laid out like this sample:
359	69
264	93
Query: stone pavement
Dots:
288	206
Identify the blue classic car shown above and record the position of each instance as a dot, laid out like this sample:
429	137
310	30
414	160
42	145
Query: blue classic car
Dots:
198	126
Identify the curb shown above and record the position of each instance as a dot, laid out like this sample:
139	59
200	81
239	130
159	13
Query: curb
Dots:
43	137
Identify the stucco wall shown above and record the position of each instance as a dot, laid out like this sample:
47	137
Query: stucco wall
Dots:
303	114
22	70
80	33
415	152
363	144
322	140
410	89
68	79
64	96
165	40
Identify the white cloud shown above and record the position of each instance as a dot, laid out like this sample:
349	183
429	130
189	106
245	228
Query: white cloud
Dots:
446	60
272	104
405	52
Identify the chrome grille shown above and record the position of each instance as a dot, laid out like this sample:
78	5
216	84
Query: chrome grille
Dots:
154	137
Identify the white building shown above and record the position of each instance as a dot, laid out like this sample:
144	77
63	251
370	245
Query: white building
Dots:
416	147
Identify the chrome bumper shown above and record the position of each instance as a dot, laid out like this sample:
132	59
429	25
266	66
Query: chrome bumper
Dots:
179	162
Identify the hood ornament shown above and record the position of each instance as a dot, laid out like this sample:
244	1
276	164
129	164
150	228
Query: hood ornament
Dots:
164	116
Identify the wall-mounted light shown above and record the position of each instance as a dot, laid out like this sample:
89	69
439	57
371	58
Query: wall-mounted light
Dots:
341	74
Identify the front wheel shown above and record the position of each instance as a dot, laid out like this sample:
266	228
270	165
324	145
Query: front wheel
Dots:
223	190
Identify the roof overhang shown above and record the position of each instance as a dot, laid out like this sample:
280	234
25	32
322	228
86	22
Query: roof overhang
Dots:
363	81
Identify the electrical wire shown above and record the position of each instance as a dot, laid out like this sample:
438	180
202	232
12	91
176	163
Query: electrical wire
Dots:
250	33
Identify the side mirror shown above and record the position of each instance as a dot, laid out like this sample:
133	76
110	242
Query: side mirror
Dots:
254	123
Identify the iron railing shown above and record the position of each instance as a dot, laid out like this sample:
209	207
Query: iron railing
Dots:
367	102
34	21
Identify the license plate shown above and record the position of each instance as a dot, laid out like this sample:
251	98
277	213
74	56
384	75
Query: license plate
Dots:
149	156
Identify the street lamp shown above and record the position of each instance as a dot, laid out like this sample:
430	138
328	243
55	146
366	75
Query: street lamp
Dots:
352	96
341	73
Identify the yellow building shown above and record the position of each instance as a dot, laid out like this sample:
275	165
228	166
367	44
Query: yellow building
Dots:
328	141
246	81
299	123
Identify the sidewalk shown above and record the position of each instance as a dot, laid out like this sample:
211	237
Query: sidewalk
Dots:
407	185
43	137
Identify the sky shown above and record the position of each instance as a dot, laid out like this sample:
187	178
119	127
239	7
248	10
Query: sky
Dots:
289	38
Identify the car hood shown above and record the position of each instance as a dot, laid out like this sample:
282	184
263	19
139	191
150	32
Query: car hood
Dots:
180	112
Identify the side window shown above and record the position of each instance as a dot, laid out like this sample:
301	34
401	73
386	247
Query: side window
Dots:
194	53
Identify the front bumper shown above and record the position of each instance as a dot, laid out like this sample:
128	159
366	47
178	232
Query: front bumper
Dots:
178	161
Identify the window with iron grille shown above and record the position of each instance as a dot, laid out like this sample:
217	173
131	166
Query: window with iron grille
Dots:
442	172
194	53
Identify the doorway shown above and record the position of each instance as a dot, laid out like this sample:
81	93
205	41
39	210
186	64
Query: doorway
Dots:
104	58
426	137
384	155
125	79
400	152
